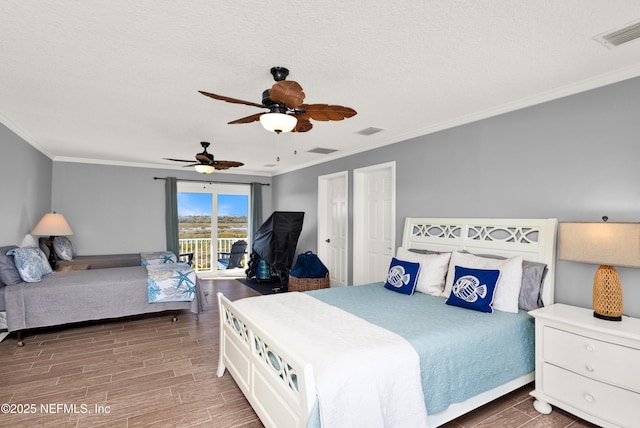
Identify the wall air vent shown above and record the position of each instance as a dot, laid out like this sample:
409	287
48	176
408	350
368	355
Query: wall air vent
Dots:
619	36
322	151
369	131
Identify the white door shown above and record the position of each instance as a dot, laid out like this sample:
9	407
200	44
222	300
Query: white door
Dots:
374	211
333	225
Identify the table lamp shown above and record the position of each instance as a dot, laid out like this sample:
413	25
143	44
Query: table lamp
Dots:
607	245
52	224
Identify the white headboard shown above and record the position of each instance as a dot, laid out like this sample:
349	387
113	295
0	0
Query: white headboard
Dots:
533	239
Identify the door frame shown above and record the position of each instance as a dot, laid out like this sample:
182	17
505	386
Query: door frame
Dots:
323	201
360	206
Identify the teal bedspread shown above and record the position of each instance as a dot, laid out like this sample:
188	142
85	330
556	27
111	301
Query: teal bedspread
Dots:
462	352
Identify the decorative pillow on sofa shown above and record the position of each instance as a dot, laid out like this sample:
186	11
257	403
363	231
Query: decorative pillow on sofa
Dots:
63	248
31	263
157	258
9	275
433	269
474	288
508	287
402	276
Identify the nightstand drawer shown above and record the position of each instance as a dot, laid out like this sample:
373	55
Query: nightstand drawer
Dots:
614	364
615	405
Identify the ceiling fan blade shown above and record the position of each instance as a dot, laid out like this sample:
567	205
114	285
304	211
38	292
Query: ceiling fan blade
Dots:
223	164
248	119
303	125
177	160
325	112
287	92
231	100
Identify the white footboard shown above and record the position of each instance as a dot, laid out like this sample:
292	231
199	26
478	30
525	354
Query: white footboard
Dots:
278	385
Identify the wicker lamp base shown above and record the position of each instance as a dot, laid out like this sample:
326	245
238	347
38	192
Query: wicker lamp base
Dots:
607	294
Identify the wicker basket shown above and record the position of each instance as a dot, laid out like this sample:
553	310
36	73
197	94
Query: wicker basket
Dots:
306	284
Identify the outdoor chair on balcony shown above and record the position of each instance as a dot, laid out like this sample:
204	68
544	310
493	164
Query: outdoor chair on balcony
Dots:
187	258
233	259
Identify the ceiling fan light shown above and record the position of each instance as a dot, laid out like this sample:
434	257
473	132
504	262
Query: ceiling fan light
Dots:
278	122
204	169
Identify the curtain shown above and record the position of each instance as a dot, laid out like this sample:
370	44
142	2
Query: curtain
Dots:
256	208
171	214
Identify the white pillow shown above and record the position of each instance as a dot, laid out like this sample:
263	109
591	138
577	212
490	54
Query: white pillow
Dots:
433	269
509	283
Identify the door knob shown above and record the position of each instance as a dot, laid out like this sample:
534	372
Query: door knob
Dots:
327	240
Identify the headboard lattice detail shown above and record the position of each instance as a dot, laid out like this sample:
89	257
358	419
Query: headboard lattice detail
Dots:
533	239
437	230
522	235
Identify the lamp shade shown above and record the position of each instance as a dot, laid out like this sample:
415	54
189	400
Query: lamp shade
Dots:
614	244
607	245
52	224
204	168
278	122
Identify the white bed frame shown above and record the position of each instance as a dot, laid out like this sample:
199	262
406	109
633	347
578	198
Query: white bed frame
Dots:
281	387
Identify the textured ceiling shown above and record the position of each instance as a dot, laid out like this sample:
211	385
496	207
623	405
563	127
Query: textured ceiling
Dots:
116	82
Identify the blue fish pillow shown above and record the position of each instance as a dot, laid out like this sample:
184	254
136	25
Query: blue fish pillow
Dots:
402	276
474	288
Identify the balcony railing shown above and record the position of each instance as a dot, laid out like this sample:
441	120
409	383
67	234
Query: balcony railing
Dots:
203	257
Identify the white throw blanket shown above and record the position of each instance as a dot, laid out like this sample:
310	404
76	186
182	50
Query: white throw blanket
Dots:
365	376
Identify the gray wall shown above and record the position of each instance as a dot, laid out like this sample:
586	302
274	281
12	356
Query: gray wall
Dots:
576	158
25	192
573	159
116	209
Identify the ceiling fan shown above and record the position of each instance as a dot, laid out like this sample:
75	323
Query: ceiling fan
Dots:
287	112
206	163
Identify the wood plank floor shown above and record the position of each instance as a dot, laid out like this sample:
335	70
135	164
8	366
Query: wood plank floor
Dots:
147	371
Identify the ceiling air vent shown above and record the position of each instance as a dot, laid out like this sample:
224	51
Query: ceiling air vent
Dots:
369	131
619	36
322	151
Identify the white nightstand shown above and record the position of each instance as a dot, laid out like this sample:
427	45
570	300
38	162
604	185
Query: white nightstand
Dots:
587	366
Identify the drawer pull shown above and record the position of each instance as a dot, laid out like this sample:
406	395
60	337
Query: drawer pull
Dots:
589	398
589	368
589	348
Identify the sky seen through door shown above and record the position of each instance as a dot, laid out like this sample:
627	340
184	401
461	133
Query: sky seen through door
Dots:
200	204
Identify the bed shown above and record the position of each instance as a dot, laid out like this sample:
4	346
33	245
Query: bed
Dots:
70	296
265	345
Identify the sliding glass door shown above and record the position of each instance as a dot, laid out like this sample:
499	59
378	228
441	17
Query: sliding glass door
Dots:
211	219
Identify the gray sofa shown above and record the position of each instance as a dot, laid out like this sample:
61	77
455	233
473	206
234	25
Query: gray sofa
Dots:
93	262
101	262
84	295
